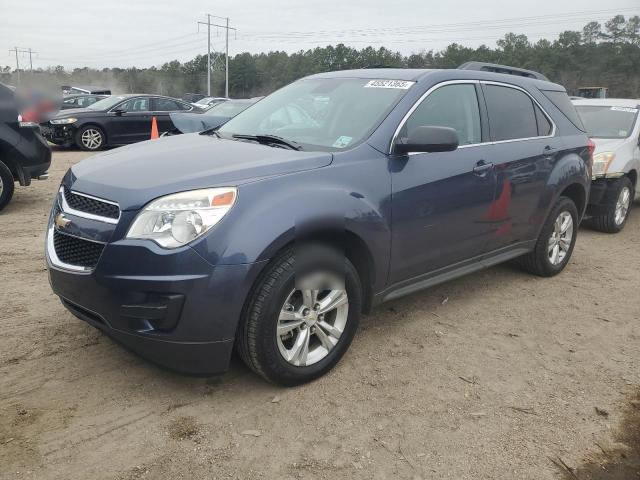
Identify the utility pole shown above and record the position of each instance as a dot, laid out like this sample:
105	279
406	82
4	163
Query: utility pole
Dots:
226	68
18	50
226	65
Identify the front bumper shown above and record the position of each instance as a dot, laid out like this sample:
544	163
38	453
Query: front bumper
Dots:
59	134
602	195
171	307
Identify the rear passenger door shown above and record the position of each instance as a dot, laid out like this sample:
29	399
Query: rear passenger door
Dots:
524	149
162	107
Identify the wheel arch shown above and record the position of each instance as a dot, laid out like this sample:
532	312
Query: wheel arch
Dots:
12	165
578	195
345	241
633	176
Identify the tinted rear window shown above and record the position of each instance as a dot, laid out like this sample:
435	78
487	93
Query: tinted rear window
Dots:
561	100
511	114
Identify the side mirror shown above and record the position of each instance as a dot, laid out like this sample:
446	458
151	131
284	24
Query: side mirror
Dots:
118	111
428	139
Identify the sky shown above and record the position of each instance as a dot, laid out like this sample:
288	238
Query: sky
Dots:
143	33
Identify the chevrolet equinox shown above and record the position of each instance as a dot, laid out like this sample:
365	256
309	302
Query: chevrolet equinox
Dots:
274	232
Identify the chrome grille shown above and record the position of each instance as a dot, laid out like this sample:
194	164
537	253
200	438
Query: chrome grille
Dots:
91	205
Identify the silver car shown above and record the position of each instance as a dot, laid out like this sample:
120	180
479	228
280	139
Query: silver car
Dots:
614	126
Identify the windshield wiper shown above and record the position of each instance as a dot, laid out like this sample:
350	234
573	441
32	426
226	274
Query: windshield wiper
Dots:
212	131
270	139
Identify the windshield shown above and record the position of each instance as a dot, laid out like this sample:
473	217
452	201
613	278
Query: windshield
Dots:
607	121
107	103
321	113
227	109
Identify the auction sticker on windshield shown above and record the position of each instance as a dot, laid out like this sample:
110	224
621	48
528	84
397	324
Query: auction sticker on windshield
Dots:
401	84
624	109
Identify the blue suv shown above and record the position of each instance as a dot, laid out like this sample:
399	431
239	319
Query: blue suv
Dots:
342	190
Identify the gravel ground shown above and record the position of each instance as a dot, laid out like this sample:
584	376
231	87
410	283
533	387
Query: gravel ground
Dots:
493	376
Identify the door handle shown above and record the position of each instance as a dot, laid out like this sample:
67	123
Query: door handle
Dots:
549	151
482	168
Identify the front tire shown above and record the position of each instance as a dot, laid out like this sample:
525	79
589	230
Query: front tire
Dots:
90	138
556	241
615	218
6	185
290	334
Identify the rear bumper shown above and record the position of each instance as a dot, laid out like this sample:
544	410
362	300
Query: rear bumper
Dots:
175	310
32	155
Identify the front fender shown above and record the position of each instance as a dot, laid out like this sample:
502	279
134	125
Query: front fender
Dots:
274	212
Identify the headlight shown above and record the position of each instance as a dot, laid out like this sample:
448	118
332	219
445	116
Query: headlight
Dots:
63	121
601	162
175	220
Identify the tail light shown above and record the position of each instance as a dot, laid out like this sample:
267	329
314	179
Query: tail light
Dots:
591	147
27	120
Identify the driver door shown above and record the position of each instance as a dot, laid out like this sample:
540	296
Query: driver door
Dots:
132	121
441	200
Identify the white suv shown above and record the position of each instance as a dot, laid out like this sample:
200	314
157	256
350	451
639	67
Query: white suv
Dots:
614	126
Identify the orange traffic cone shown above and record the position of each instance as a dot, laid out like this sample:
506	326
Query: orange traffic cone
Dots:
154	128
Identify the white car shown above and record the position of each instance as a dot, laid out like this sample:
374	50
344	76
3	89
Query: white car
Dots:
614	126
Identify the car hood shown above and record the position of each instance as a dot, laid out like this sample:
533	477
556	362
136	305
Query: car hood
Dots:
136	174
77	112
195	122
607	144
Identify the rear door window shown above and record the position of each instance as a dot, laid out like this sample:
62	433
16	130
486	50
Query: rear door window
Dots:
135	105
511	113
454	106
168	105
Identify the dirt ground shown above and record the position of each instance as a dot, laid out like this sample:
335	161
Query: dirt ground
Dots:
498	375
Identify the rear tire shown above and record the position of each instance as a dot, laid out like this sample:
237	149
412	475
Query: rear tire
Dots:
271	353
90	138
614	220
7	185
556	241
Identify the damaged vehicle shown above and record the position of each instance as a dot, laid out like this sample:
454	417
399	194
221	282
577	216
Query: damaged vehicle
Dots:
112	121
614	126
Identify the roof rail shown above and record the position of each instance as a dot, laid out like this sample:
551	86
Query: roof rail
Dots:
493	67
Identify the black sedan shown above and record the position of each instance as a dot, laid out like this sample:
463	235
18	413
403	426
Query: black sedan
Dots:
115	120
213	117
80	101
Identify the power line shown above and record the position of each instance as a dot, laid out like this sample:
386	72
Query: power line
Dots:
500	23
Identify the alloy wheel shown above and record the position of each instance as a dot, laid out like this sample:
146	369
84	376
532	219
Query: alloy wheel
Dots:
310	324
91	138
622	206
561	237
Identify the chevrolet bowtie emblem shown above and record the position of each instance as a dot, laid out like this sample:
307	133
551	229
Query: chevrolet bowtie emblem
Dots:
61	221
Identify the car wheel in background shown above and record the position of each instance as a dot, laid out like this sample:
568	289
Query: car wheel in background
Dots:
90	138
556	241
6	185
301	316
617	211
